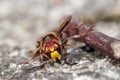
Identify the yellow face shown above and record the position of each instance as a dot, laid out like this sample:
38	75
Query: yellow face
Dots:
53	52
55	55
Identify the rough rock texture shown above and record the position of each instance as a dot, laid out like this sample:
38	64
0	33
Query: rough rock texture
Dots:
23	21
87	67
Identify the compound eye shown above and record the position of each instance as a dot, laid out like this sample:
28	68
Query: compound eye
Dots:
37	44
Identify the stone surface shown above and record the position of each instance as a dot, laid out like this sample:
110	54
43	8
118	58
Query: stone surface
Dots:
22	22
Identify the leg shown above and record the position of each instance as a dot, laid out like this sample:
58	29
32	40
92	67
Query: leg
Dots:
30	58
47	57
41	60
65	59
82	35
65	54
87	32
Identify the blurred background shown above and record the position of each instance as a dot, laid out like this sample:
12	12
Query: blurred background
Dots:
22	22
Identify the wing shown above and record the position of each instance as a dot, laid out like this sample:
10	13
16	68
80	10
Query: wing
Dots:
63	24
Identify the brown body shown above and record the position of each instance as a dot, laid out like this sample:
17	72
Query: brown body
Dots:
53	44
106	45
51	47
